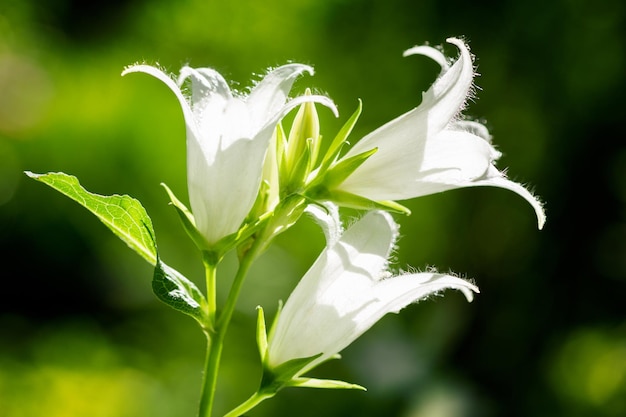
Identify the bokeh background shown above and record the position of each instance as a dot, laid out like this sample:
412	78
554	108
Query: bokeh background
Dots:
81	333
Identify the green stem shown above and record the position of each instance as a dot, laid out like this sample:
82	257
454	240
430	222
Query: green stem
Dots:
210	268
216	338
249	404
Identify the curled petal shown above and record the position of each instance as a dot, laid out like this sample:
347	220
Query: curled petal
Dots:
205	82
327	216
494	178
432	53
440	104
472	127
270	94
160	75
428	149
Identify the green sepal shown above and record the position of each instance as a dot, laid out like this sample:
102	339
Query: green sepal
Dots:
241	236
344	168
122	214
261	334
276	378
346	199
188	221
340	140
285	215
304	382
287	375
171	287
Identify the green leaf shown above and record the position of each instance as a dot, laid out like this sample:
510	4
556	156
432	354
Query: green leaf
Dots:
171	287
128	220
124	215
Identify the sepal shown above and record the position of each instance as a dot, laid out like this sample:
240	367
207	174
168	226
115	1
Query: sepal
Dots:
340	140
286	214
346	199
188	221
323	383
344	168
261	334
275	379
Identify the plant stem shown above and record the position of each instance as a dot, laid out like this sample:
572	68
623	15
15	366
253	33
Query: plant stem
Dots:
249	404
210	268
216	338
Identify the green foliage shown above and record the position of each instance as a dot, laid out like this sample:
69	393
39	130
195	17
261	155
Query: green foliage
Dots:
128	220
122	214
171	287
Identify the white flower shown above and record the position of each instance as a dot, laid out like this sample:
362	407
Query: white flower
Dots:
429	149
347	290
227	139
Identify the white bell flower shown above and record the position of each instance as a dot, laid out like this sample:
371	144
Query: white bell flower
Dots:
227	139
347	290
430	149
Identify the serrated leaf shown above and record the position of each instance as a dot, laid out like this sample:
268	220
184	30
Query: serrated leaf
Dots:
122	214
171	287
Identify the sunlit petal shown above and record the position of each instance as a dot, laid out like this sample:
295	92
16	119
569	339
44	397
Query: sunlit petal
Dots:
430	149
347	290
227	139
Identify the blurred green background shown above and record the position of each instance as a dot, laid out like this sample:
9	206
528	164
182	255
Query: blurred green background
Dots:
81	333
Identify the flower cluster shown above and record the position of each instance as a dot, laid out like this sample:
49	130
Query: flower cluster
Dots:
249	179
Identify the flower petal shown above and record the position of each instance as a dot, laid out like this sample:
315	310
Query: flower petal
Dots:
270	94
346	292
205	82
222	192
160	75
333	289
405	144
450	158
440	104
327	216
494	178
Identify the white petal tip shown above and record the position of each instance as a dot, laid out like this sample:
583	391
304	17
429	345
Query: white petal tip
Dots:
429	52
468	291
145	68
